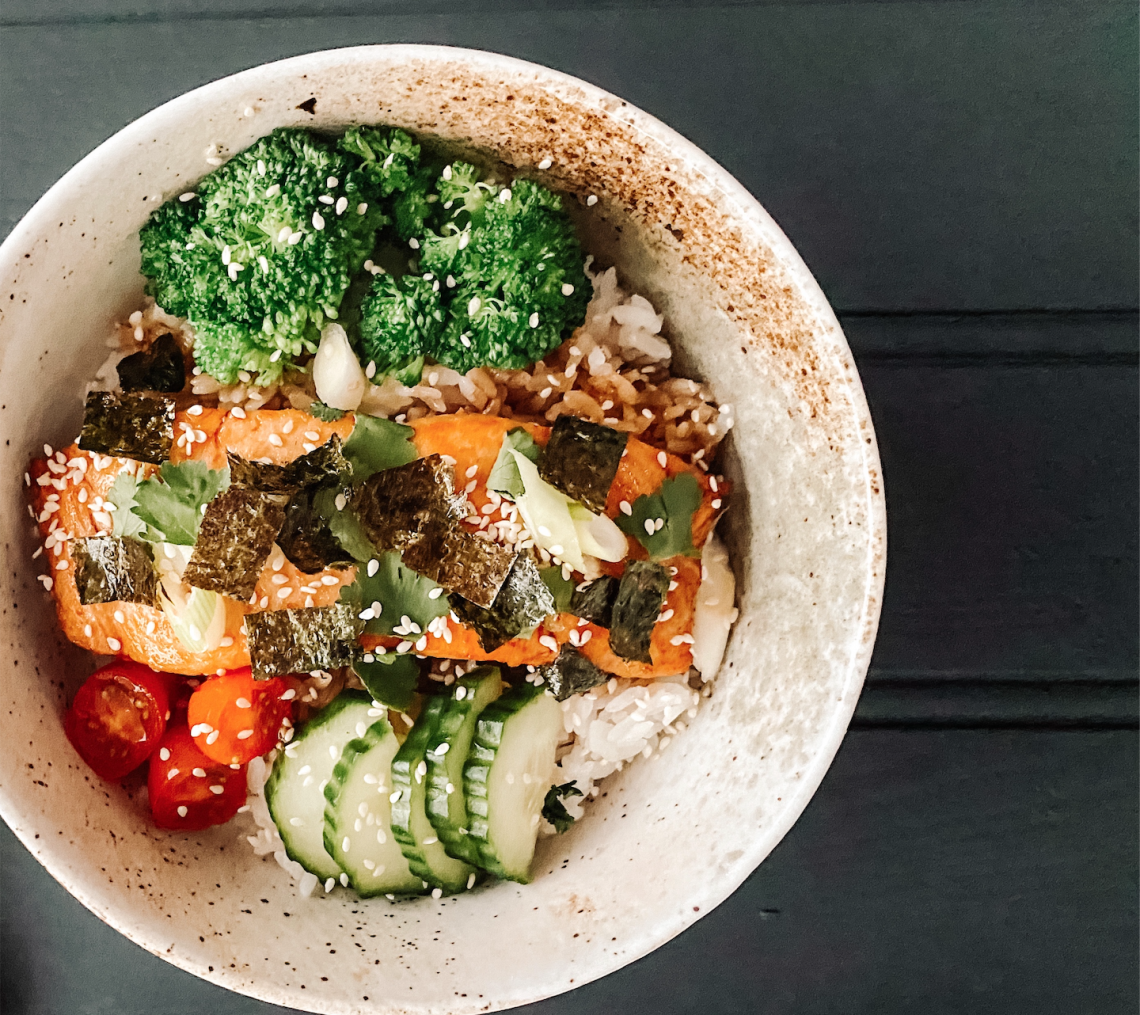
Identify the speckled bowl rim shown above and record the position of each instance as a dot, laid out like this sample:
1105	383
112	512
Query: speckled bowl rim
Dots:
754	219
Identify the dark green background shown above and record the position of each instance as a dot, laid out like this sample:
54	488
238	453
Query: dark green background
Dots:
962	178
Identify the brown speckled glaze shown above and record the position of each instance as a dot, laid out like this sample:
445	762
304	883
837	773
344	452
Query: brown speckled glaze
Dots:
672	836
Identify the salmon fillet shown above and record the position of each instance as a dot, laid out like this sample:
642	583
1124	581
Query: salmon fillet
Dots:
68	488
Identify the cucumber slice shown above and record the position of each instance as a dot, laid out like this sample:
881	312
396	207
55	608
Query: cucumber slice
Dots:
295	789
506	777
446	807
418	839
358	816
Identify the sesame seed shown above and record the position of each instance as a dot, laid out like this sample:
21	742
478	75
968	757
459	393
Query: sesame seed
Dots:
318	222
273	191
591	200
414	243
296	238
373	567
435	593
199	772
650	528
546	163
87	630
283	234
217	790
120	617
567	289
344	880
238	412
473	306
626	507
662	459
362	208
533	320
716	504
325	199
213	736
113	643
182	811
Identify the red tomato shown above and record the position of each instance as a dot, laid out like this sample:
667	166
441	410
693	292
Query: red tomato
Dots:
234	718
118	717
189	791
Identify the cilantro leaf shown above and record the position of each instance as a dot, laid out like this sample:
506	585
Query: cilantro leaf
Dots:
172	502
122	496
673	503
562	589
343	523
389	678
377	444
325	413
504	477
399	590
554	810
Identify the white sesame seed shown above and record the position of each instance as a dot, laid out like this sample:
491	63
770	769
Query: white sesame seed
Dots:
325	199
414	243
626	507
362	208
87	630
473	306
212	737
373	567
217	790
591	200
198	772
283	234
182	811
112	643
533	320
716	504
273	191
238	412
120	617
567	289
662	459
341	205
318	222
295	238
649	526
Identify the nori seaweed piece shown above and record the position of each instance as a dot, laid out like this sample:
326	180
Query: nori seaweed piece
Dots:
301	641
463	563
408	504
640	595
128	426
523	602
595	602
571	673
414	508
323	465
234	541
306	538
581	459
110	570
159	368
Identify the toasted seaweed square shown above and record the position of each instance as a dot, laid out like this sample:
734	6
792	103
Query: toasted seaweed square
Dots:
571	673
408	504
159	368
111	570
234	540
595	602
640	596
128	426
301	641
324	465
581	459
306	537
523	602
463	563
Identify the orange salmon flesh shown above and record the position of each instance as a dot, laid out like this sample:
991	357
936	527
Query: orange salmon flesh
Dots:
68	490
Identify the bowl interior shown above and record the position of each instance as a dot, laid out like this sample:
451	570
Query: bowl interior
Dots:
671	837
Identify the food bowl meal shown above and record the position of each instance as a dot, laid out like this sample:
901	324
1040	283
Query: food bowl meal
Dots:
463	525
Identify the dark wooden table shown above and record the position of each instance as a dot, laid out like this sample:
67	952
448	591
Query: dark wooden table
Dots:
962	178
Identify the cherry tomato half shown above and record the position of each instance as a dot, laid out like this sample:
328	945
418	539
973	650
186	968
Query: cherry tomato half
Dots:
118	717
188	791
234	718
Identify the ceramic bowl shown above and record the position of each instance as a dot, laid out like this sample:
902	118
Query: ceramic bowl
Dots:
674	836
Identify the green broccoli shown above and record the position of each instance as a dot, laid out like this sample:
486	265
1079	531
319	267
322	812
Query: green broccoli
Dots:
260	258
400	320
514	270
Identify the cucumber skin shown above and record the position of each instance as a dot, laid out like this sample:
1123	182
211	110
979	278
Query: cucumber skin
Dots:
329	712
484	748
373	736
455	839
407	759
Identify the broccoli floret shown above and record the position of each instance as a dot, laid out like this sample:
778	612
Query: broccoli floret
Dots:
520	286
400	320
388	157
257	260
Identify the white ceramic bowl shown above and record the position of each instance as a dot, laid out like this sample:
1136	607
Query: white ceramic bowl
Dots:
674	836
